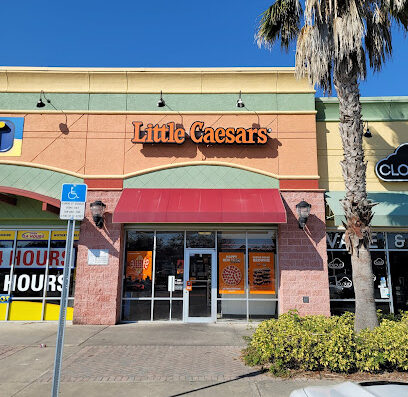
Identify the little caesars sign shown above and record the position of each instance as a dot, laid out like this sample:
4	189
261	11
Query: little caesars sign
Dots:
394	168
199	133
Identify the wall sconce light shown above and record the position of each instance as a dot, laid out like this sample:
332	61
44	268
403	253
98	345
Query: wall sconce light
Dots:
303	210
40	103
367	132
97	211
240	104
161	103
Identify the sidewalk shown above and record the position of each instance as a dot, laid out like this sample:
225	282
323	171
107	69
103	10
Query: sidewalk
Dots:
134	360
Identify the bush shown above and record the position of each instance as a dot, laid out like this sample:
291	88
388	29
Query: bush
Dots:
328	343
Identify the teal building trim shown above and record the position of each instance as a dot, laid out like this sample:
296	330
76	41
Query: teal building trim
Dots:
373	109
391	210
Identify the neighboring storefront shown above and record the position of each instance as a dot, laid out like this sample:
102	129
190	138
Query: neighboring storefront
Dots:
200	185
31	263
387	182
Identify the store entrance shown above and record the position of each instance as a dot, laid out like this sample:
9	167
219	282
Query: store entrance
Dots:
200	290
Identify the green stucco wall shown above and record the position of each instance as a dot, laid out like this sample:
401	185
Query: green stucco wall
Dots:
202	177
148	102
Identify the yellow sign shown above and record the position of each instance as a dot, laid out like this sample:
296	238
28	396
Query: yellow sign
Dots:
7	234
62	235
33	235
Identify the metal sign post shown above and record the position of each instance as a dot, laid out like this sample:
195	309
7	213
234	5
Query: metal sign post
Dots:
73	198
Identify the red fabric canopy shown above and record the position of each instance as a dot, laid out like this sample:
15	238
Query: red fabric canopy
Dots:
200	206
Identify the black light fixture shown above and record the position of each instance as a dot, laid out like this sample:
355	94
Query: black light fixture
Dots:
367	132
40	103
161	103
303	210
97	211
240	104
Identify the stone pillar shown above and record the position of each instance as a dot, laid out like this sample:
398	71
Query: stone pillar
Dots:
97	287
303	257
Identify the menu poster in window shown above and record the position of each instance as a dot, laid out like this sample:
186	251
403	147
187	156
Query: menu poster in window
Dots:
261	273
232	272
139	265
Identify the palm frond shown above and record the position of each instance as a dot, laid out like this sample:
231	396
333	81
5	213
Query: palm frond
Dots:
280	21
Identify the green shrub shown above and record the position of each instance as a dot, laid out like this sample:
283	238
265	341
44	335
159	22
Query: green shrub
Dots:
318	342
385	347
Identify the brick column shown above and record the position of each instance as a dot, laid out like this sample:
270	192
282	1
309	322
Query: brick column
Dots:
97	287
303	257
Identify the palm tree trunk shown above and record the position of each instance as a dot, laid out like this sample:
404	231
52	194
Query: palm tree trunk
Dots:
356	206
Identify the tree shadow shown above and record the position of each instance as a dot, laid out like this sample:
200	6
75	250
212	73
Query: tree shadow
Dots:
245	376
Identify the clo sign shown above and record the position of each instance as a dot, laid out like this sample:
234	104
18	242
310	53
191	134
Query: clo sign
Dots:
394	168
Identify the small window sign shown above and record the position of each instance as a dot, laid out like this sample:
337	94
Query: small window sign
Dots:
98	257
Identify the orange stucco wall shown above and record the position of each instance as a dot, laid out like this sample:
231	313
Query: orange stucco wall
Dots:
100	144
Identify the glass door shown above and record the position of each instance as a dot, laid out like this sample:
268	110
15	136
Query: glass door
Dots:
200	286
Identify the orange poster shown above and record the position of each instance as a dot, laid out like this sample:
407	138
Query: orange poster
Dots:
139	265
261	273
231	272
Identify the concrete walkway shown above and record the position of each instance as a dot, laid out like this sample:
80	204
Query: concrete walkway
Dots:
149	359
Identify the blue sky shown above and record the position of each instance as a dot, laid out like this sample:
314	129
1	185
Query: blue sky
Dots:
171	33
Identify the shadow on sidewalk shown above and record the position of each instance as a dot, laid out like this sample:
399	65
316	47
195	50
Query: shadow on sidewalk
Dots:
250	375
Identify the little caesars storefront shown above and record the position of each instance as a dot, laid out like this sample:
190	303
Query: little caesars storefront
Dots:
193	180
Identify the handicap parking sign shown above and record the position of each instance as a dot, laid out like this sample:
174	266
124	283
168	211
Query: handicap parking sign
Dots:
74	192
73	198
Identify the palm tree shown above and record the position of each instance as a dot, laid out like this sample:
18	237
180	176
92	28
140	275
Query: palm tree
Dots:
335	38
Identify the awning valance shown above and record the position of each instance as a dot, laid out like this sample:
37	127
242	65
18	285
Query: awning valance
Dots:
200	206
391	210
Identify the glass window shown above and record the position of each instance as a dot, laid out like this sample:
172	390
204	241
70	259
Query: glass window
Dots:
139	264
380	273
56	269
261	264
263	310
231	248
200	240
335	240
161	310
30	263
232	309
6	258
397	241
340	275
169	262
399	278
177	310
136	310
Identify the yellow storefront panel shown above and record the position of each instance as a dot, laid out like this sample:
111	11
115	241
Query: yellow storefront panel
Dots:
62	235
7	234
25	311
3	309
33	235
52	312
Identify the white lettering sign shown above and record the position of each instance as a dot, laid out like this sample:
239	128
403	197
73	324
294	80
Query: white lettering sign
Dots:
32	282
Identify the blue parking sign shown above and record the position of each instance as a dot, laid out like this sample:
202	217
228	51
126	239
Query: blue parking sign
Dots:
72	192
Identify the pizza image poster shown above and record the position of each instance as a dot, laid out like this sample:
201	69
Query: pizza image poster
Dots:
261	273
231	272
139	265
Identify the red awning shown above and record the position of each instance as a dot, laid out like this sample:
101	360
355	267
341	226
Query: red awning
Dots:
200	206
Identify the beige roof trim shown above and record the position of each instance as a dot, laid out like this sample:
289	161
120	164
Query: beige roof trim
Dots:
152	80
